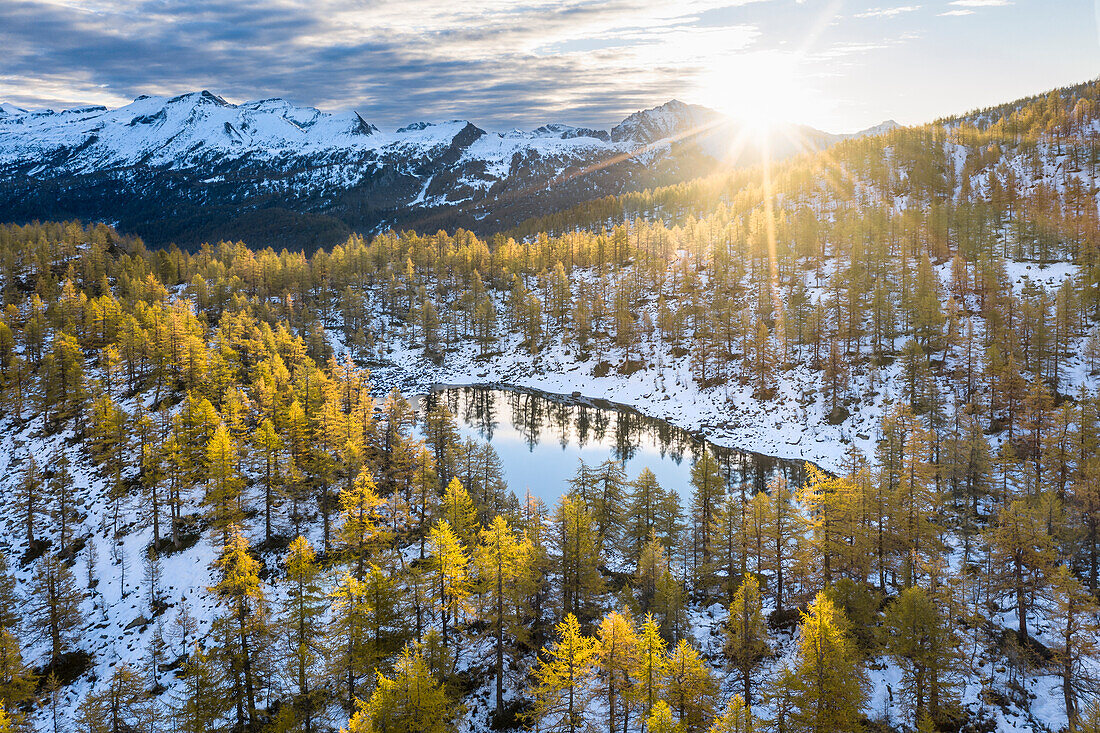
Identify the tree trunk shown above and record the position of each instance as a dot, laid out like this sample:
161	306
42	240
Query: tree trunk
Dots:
500	640
246	659
1021	602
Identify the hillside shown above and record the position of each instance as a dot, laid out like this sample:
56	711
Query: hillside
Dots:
223	515
194	167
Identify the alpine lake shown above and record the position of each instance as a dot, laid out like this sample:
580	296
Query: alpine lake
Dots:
541	439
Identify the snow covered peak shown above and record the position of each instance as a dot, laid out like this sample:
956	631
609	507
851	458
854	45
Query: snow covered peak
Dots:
200	98
568	132
671	119
878	129
227	158
175	132
10	110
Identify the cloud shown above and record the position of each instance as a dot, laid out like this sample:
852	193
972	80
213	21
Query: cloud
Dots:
968	7
887	12
497	61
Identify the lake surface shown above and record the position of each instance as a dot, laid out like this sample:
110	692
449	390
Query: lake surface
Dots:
541	438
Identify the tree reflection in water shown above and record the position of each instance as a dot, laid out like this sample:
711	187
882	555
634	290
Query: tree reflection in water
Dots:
510	417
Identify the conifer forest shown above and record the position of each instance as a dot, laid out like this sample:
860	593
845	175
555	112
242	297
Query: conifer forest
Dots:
230	503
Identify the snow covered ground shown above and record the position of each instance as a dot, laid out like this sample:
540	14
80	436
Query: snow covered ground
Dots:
122	626
793	424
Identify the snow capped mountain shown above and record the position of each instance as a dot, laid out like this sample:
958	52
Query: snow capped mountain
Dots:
879	129
195	167
10	110
670	120
176	133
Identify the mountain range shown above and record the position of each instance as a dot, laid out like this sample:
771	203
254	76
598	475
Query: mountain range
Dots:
194	167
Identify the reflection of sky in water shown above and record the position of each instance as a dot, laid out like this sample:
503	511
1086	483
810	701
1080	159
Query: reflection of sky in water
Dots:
546	467
540	442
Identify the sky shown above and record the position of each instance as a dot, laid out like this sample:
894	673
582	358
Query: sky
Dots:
839	65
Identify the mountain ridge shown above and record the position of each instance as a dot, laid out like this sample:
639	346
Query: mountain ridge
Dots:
194	166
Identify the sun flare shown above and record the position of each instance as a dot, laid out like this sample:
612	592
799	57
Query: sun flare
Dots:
760	90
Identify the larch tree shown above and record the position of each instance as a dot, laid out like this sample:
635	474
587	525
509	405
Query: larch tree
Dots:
642	511
824	499
661	720
17	680
919	639
353	656
1077	632
54	606
269	446
359	528
616	658
451	567
123	705
301	622
411	701
781	525
649	672
746	644
242	627
709	491
689	687
224	485
30	499
561	690
501	559
827	687
578	557
736	718
1020	552
458	509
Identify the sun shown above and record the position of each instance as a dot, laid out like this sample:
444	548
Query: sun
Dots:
760	89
